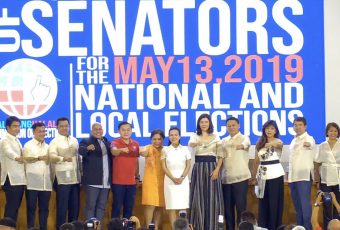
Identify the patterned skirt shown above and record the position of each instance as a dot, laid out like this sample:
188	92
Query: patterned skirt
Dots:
206	199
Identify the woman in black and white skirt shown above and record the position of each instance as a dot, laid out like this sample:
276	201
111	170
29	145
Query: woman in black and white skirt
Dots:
206	199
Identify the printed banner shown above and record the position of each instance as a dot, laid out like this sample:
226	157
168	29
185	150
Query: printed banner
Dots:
162	63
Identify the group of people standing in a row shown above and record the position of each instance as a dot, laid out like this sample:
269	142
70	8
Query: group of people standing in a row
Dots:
219	179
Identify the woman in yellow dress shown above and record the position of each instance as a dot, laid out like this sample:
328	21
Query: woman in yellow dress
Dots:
153	181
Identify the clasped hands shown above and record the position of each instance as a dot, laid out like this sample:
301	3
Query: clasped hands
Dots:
178	180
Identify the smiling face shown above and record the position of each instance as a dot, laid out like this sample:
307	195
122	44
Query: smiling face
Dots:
204	124
157	140
299	128
174	137
97	131
270	131
63	127
39	133
233	127
332	133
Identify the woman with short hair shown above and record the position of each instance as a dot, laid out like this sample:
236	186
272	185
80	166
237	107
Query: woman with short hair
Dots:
153	187
327	169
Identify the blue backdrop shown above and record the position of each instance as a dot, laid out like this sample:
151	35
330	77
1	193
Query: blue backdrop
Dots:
162	63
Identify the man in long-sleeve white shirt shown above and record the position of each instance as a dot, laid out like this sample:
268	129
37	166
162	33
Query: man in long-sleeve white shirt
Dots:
13	177
235	172
63	152
300	172
39	183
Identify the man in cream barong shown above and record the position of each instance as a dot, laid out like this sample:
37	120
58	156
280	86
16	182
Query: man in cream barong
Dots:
301	170
39	183
63	153
235	173
13	178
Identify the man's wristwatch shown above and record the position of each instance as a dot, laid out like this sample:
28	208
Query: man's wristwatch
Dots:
182	176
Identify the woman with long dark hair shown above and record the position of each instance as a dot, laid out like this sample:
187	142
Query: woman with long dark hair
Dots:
206	199
269	174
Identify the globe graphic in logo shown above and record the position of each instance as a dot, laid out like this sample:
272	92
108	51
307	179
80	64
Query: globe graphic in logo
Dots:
28	88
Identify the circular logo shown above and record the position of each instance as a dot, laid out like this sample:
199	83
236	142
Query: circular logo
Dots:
28	88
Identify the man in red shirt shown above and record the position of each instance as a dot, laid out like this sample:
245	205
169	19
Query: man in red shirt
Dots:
125	171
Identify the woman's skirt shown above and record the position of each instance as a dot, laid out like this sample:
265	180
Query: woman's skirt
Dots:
206	199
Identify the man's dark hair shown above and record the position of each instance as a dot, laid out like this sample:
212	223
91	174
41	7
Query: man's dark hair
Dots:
233	119
301	119
281	227
9	222
115	224
62	119
10	120
247	216
37	124
181	224
78	225
246	226
123	123
290	227
67	226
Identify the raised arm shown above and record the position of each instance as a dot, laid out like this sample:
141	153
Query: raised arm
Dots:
8	151
53	155
115	151
85	147
194	142
245	145
278	144
309	143
144	151
27	154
